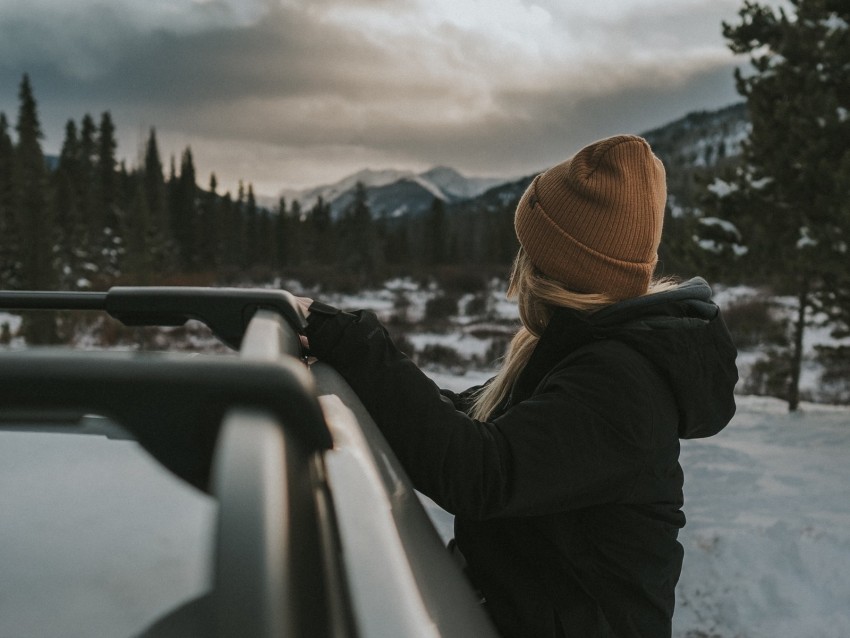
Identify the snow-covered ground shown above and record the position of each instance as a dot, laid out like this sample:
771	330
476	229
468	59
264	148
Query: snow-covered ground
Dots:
97	540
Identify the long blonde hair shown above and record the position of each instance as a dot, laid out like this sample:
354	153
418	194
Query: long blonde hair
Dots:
537	297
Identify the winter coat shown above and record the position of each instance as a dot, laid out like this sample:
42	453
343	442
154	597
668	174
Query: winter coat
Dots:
567	501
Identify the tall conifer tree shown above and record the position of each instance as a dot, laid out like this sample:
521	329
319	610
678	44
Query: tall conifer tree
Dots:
30	177
798	151
10	228
161	245
209	227
106	189
86	181
72	231
184	211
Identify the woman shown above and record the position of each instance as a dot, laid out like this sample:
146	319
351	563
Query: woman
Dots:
562	472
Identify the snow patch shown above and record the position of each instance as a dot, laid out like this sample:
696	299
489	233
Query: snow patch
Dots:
722	188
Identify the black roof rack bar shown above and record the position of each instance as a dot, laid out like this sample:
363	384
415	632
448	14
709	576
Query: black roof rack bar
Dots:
172	406
37	300
226	311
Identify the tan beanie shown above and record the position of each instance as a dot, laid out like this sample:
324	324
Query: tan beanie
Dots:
594	222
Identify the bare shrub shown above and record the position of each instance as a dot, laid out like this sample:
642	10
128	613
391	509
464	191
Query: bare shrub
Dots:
437	355
5	333
478	305
835	378
756	323
769	375
441	307
460	279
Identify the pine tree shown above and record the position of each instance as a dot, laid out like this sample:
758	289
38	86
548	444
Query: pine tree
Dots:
106	163
281	231
435	233
161	245
209	228
11	246
293	240
252	229
265	238
139	262
72	231
112	239
231	229
85	183
798	97
358	247
30	202
184	209
321	235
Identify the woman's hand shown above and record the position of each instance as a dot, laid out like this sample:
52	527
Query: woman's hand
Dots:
304	304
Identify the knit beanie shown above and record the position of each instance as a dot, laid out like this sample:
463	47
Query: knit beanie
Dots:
593	222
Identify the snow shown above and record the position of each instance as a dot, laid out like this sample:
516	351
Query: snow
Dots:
723	224
806	240
466	346
769	524
429	186
442	182
722	188
13	321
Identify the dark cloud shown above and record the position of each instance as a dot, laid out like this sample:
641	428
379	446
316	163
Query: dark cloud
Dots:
297	78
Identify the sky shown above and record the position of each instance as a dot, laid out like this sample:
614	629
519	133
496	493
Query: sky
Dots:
297	93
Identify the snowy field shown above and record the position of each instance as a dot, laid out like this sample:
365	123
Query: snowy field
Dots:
97	540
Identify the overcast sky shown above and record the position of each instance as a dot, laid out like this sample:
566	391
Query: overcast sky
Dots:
293	93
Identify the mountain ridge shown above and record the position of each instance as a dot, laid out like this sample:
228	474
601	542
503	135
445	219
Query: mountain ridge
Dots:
697	142
383	186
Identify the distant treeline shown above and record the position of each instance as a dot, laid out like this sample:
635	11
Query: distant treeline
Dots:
88	221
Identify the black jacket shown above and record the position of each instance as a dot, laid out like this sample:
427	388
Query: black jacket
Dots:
568	501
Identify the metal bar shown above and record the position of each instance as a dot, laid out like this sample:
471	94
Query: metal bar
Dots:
172	406
44	300
226	311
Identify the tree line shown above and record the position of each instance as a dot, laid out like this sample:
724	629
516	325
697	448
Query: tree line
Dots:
87	220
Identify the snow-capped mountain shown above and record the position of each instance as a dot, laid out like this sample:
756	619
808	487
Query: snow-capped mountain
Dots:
393	193
457	186
699	143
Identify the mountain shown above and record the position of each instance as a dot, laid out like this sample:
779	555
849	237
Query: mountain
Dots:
694	148
455	185
393	193
702	139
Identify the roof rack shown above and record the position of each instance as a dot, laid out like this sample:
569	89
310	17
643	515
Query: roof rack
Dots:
172	405
226	311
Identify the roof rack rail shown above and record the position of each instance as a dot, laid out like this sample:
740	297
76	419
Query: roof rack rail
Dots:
226	311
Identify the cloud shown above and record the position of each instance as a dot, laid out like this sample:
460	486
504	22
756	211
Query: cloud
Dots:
494	87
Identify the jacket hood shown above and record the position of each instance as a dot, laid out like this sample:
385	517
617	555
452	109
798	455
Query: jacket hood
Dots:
680	331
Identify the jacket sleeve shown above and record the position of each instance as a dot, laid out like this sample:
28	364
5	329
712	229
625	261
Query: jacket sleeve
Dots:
463	401
556	451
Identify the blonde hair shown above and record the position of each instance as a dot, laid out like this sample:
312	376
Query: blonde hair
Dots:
537	297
